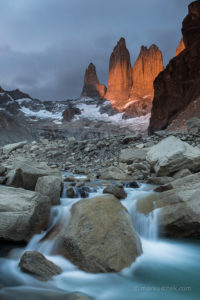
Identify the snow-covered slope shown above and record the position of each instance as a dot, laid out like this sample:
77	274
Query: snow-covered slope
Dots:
93	110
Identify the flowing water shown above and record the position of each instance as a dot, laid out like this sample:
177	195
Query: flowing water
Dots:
167	269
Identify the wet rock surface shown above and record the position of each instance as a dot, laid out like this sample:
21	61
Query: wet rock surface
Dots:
34	263
100	236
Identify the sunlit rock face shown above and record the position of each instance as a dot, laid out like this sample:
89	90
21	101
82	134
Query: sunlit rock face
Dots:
92	88
180	48
146	68
120	77
179	84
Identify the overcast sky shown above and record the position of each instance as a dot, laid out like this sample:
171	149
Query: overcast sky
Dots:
45	45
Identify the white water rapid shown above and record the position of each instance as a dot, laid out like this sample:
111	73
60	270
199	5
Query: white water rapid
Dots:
166	269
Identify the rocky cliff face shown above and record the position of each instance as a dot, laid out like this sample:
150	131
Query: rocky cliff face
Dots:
180	48
120	77
146	68
92	88
179	84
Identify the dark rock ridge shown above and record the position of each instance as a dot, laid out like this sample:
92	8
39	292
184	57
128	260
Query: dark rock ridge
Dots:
92	88
120	77
146	68
179	84
180	48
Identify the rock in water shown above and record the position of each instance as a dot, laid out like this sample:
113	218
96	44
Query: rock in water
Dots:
100	236
22	214
117	191
171	155
34	263
120	77
179	214
92	88
146	68
178	85
50	186
180	48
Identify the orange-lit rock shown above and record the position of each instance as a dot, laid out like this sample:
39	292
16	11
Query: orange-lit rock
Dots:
92	88
146	68
120	77
180	48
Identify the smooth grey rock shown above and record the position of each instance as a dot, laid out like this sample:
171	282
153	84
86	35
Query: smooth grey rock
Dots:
7	149
26	173
34	263
22	213
117	191
130	155
50	186
100	236
171	155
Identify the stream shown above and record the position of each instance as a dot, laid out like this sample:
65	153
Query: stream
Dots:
167	269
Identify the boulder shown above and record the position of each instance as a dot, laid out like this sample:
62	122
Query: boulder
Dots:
115	173
182	173
171	155
190	181
50	186
179	214
159	180
117	191
26	173
71	192
34	263
100	236
22	213
7	149
129	155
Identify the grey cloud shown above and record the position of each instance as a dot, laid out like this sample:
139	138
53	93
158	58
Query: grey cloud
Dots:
46	45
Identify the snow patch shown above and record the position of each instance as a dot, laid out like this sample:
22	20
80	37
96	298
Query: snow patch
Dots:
92	112
41	114
20	101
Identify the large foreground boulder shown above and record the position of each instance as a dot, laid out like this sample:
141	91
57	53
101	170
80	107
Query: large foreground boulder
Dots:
50	186
34	263
26	173
100	236
171	155
22	213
